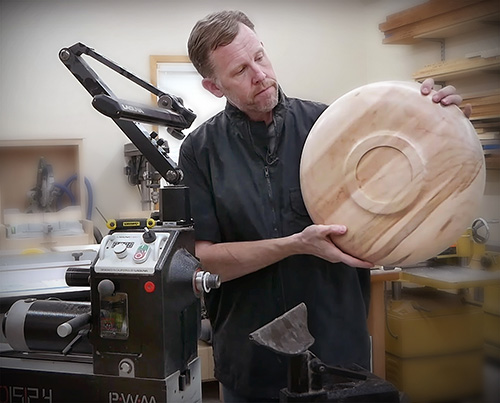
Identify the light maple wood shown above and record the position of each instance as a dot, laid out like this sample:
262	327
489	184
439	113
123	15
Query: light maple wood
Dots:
423	11
406	175
450	69
417	24
485	105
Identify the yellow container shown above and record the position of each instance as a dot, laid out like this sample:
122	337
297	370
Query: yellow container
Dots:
492	329
427	322
440	378
492	299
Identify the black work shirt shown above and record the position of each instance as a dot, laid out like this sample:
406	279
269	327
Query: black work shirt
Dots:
240	191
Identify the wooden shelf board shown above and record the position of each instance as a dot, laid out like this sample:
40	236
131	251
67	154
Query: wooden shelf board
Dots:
484	116
492	161
488	125
486	98
452	22
458	29
422	11
457	68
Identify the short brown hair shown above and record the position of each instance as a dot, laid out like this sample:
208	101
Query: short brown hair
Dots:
216	29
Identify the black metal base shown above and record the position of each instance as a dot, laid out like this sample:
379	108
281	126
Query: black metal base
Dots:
35	380
372	389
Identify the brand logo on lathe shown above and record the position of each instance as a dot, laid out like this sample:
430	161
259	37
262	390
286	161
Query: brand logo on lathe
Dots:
129	398
24	394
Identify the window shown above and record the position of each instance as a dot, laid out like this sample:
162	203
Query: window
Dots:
176	75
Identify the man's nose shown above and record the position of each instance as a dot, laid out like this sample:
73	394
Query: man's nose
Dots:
258	74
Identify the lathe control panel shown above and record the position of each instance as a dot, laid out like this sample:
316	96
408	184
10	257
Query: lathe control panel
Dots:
132	253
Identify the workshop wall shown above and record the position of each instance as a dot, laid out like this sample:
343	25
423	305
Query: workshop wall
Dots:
320	50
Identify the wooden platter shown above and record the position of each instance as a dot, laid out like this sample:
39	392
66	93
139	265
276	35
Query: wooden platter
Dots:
404	174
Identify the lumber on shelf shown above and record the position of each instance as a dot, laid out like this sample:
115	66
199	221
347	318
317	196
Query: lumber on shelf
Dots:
485	105
429	9
483	98
485	126
453	68
437	19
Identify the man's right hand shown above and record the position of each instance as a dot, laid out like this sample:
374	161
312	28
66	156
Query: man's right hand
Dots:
317	240
231	260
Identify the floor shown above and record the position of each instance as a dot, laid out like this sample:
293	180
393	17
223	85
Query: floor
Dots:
491	393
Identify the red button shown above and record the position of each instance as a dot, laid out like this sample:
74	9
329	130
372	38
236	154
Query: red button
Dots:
149	286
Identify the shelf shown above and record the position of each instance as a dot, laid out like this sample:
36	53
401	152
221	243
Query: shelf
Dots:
486	120
486	125
452	69
492	161
485	105
19	161
438	19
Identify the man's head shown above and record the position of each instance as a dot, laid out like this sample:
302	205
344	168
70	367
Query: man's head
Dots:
216	29
227	53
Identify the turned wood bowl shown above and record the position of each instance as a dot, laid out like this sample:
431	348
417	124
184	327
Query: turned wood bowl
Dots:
404	174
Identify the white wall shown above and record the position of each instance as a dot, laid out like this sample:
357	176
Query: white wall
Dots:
320	50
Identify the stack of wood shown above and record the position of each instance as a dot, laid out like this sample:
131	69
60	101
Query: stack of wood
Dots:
437	19
449	69
484	105
486	120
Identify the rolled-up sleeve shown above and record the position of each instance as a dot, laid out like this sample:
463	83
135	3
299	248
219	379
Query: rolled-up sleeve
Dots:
196	176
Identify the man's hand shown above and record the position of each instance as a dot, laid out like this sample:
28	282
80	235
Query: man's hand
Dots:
445	96
317	240
231	260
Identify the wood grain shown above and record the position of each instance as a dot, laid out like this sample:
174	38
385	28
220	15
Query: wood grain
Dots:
422	11
404	174
464	17
449	69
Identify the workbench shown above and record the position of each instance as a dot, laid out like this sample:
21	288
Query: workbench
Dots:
376	316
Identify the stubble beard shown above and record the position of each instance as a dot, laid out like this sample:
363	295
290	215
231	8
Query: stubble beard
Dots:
269	104
252	105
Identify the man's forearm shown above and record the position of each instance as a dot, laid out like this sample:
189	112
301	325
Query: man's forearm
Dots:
235	259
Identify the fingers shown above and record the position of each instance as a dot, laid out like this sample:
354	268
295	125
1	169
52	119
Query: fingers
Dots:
335	229
445	96
467	110
333	253
443	93
355	262
317	240
427	86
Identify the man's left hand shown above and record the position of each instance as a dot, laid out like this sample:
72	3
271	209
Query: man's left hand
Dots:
445	96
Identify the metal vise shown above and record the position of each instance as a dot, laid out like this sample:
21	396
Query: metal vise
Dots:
311	380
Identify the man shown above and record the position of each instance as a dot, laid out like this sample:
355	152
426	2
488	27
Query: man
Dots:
252	228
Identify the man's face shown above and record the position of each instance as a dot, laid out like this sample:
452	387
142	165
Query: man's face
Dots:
244	75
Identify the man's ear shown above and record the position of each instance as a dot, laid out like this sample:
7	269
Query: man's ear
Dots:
212	87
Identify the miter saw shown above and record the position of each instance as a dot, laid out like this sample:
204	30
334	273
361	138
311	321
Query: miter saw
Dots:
136	340
43	195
